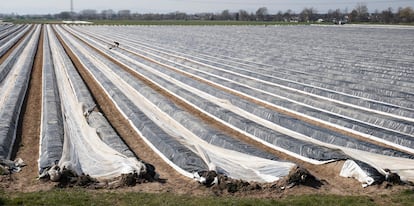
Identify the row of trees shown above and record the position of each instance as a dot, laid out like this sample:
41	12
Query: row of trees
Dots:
401	15
358	14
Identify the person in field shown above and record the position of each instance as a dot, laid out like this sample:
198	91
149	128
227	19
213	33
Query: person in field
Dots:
116	44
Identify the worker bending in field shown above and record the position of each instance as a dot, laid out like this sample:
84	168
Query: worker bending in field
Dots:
116	44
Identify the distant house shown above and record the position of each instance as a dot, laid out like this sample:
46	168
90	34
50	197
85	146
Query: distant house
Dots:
294	19
339	21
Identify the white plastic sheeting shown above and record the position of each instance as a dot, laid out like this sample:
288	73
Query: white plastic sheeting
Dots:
232	163
83	150
402	166
352	169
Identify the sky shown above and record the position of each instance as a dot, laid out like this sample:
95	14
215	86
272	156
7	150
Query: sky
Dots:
22	7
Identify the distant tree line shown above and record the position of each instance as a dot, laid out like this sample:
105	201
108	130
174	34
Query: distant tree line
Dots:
359	14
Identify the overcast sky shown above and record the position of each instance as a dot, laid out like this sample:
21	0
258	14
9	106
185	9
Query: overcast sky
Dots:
191	6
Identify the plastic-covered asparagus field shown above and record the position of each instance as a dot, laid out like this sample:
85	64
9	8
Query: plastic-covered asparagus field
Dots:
245	102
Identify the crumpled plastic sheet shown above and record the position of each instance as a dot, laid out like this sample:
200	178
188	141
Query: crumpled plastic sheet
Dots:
83	151
12	166
12	90
51	134
352	169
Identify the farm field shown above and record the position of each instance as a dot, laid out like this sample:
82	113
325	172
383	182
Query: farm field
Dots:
255	103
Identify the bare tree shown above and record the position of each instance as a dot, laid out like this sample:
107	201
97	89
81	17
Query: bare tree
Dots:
243	15
225	15
287	15
334	14
361	12
261	14
308	14
278	16
376	16
387	16
406	14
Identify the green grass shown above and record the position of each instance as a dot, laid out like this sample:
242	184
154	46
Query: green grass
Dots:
405	198
87	197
